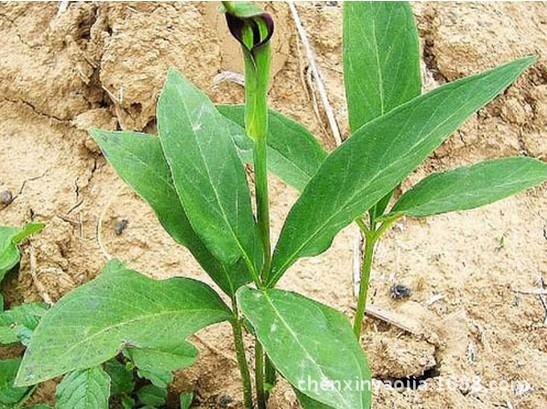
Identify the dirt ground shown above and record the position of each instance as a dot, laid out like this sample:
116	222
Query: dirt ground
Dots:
103	64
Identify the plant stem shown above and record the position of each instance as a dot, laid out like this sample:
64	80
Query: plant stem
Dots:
257	128
256	125
259	375
372	235
270	374
262	202
366	267
241	358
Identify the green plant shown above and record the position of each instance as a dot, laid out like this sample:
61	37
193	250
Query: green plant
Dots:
382	78
192	175
85	389
17	323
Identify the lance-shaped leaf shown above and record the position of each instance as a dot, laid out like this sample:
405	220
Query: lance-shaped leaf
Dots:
381	58
310	344
9	394
378	157
139	161
121	308
294	155
207	172
471	186
84	389
381	63
10	237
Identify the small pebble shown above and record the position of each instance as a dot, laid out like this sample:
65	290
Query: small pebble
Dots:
6	197
225	400
121	226
399	291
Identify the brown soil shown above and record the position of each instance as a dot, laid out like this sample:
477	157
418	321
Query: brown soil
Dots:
102	65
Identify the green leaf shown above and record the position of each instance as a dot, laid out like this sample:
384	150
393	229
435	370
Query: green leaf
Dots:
186	399
471	186
8	335
28	230
377	158
9	253
294	155
380	207
158	364
381	63
152	395
381	58
10	237
17	323
9	394
139	161
308	342
84	389
309	403
121	308
122	380
208	173
39	406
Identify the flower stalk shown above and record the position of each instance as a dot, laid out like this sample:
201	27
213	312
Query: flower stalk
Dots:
253	29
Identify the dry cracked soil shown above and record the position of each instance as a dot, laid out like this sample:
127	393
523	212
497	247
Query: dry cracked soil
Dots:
101	64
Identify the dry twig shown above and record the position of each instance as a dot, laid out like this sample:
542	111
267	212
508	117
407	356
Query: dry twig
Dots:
542	299
335	130
411	326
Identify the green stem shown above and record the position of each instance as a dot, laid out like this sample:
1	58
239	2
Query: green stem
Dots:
259	375
270	374
366	268
372	235
262	202
388	222
270	371
237	330
257	72
256	126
